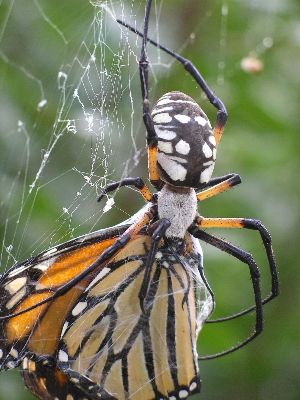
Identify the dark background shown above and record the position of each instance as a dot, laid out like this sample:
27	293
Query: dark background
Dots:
261	142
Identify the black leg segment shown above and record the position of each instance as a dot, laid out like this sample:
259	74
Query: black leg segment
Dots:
144	70
191	69
158	233
254	273
136	182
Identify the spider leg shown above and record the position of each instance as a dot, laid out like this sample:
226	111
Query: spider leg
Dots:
267	242
219	185
219	179
136	182
187	274
158	233
192	70
254	272
130	233
151	137
203	277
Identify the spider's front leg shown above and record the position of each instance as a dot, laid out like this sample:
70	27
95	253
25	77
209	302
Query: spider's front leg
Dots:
189	67
162	225
152	139
218	185
136	182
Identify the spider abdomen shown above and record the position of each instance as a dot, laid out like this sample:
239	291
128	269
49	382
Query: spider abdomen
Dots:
186	144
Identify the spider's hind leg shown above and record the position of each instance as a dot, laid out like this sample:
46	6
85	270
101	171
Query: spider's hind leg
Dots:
247	259
256	225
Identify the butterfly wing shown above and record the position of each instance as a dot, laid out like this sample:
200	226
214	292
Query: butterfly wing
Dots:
47	382
97	337
111	347
37	279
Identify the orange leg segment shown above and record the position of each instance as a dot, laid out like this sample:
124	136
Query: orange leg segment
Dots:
219	188
220	124
252	224
136	182
145	192
220	222
152	164
218	130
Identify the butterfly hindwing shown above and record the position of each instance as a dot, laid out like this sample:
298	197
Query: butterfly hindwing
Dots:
129	353
101	341
47	382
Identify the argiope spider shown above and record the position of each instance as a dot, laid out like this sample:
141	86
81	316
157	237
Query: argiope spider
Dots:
181	156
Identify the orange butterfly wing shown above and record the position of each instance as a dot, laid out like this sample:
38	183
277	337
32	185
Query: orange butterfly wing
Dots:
38	279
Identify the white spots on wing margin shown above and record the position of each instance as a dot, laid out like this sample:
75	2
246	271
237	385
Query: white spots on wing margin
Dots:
15	285
79	308
63	356
16	298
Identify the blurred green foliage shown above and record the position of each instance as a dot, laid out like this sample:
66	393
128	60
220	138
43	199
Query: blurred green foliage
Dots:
261	142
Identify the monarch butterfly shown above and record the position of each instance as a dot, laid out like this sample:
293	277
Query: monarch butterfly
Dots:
115	314
102	312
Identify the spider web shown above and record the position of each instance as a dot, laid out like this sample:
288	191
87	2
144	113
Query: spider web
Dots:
93	92
79	125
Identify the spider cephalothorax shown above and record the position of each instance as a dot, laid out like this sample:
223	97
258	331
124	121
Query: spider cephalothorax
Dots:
186	144
179	207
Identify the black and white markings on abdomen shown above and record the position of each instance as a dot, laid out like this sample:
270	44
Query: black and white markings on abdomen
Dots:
186	144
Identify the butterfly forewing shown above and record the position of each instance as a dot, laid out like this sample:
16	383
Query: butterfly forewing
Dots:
37	279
